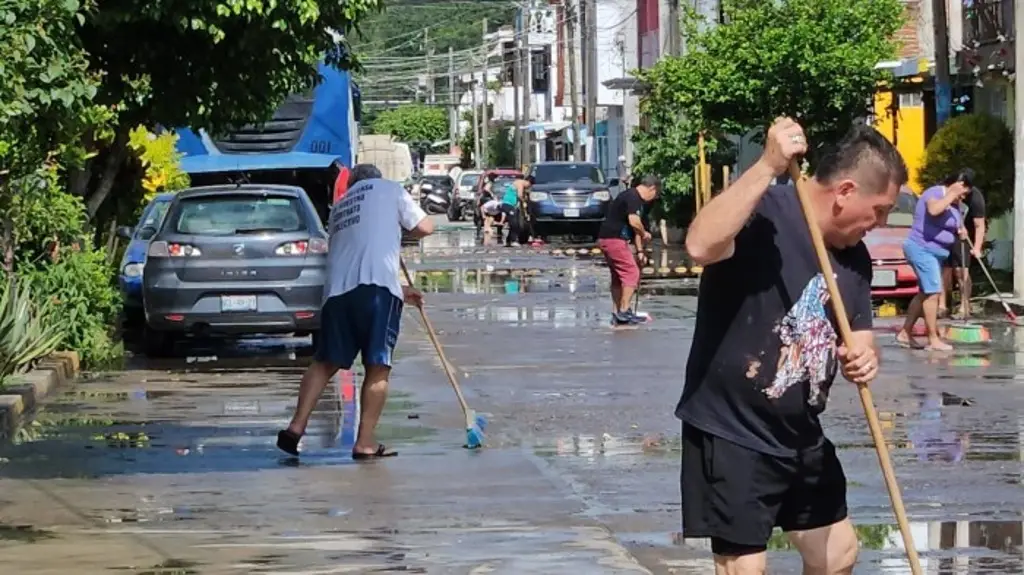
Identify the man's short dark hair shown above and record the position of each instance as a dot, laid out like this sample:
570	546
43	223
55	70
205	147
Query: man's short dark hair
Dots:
362	172
964	176
866	152
651	181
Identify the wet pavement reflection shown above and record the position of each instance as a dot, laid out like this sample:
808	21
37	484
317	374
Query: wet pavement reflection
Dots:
168	466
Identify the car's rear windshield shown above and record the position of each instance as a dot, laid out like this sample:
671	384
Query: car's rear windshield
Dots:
470	179
239	214
902	214
557	173
439	180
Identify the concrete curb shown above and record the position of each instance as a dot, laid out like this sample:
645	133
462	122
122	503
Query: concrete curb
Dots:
54	371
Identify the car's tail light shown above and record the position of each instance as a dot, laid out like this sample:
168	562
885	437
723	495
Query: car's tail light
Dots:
302	247
171	250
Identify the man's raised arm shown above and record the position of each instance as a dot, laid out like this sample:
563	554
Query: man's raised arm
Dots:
711	237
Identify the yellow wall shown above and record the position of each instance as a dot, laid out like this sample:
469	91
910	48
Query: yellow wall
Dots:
904	127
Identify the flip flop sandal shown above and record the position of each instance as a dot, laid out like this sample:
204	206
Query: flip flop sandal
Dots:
382	451
288	442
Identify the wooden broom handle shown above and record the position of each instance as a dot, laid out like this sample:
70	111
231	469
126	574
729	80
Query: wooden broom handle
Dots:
432	335
884	459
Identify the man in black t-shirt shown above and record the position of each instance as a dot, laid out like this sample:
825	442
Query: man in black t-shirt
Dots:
765	351
972	211
623	224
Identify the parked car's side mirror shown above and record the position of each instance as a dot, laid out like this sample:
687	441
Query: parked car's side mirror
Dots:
125	232
614	182
147	232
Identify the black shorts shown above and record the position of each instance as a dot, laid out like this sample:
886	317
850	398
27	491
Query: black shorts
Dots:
364	321
959	255
737	496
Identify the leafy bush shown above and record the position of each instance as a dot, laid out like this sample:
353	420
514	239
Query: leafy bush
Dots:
982	143
28	329
160	160
45	217
83	299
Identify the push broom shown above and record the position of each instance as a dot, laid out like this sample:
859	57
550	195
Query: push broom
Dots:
475	424
865	393
1006	307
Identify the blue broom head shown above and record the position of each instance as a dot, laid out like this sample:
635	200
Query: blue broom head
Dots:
481	423
474	438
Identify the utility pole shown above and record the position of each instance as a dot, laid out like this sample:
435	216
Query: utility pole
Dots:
943	92
591	32
527	87
1018	158
430	74
453	115
675	36
484	139
476	122
517	79
570	53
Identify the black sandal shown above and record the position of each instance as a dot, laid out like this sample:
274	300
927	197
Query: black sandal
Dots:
288	442
382	451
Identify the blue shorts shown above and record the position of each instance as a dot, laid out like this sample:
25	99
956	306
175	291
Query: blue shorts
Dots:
364	321
927	264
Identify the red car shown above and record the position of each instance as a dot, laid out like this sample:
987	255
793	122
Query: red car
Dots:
892	276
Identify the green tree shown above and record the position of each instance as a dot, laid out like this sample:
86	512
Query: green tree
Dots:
46	97
982	143
211	64
810	59
413	123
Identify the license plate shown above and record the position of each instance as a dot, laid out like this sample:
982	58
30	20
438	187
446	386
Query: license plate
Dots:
571	213
883	278
238	303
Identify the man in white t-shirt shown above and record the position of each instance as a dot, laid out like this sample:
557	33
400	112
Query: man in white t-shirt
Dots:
363	301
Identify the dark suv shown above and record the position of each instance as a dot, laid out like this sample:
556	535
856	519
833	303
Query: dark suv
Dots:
568	198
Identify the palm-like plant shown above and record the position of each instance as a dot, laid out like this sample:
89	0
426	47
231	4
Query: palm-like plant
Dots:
28	332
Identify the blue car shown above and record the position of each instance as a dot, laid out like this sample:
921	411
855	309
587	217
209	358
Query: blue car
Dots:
130	272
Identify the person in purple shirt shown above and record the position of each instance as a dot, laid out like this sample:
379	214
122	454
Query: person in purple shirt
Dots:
937	225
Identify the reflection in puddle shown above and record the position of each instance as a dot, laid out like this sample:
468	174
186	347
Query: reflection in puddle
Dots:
607	445
559	316
947	548
933	438
497	280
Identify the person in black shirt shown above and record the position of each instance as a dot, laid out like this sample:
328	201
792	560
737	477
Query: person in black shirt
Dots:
972	212
622	225
765	351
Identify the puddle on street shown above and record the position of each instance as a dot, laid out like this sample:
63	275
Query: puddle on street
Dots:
946	547
608	446
497	280
107	431
24	533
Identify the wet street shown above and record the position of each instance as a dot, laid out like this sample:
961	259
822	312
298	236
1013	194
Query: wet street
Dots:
170	467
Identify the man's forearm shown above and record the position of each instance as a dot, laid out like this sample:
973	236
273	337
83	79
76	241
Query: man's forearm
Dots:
711	235
979	234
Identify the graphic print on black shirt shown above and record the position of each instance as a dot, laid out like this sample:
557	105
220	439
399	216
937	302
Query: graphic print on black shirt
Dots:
808	350
764	354
616	222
